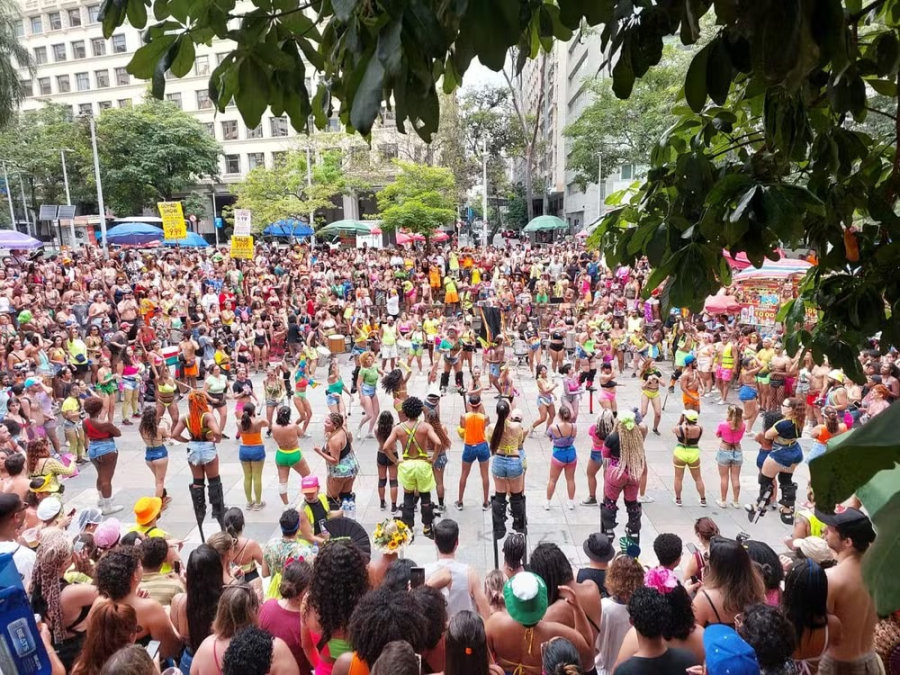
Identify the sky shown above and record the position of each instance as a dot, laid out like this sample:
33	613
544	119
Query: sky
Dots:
478	75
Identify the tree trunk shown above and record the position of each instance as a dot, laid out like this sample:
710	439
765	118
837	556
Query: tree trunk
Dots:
529	183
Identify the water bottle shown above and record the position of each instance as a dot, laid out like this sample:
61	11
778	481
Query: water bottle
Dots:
345	508
351	510
315	549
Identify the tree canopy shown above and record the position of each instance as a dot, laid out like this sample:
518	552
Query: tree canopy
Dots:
420	201
13	55
150	152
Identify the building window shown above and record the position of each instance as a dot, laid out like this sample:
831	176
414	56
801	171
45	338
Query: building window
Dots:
627	171
388	150
210	128
102	77
232	164
82	81
221	57
93	13
98	47
229	130
44	86
59	53
255	159
118	43
54	19
85	109
74	18
176	99
27	88
104	105
78	49
37	27
40	55
68	115
201	65
256	132
279	158
279	126
62	84
124	102
123	79
19	27
203	101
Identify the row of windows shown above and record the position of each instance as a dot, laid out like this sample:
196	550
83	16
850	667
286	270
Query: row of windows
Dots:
88	108
254	159
82	82
79	49
55	20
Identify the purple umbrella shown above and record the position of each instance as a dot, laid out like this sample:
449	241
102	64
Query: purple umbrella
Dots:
13	239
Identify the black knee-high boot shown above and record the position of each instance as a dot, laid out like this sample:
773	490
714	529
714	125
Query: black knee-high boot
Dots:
633	527
353	380
408	510
459	380
517	506
756	511
427	515
445	380
498	514
608	518
788	496
217	500
198	501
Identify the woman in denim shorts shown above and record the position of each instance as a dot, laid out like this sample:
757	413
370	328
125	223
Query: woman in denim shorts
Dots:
729	456
507	437
203	459
101	437
156	454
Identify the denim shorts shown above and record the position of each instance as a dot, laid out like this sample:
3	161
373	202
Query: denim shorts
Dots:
761	458
729	457
99	448
441	461
481	452
201	452
507	467
252	453
156	452
368	390
597	456
786	455
494	369
564	456
332	399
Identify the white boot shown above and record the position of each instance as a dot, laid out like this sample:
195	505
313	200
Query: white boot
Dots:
109	508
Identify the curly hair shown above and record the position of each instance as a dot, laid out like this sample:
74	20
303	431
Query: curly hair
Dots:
551	564
667	548
649	612
624	576
92	406
433	608
393	381
606	422
434	419
250	652
115	571
340	578
382	616
681	621
412	407
149	426
36	449
770	634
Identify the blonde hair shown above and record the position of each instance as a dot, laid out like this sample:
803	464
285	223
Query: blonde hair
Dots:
493	589
238	608
734	416
631	449
222	542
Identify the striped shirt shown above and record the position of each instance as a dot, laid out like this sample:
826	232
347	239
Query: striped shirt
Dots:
161	587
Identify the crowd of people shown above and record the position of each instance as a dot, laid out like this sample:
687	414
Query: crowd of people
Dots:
200	349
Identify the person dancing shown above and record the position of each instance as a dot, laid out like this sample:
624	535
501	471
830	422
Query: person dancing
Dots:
439	454
562	435
507	437
473	425
387	470
156	454
651	377
606	422
288	456
572	391
102	452
334	392
451	348
687	453
368	398
608	386
203	460
338	454
394	383
627	463
729	456
252	455
545	399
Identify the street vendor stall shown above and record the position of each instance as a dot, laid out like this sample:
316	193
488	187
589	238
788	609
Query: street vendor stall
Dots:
761	291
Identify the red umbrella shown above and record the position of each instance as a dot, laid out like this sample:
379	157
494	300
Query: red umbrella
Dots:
440	235
375	230
722	304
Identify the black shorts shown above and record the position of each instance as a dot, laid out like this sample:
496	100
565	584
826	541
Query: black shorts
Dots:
384	460
556	348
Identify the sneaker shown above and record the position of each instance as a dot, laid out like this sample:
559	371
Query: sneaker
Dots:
546	505
383	505
394	509
458	505
590	501
736	505
645	499
486	506
721	503
703	502
656	431
359	434
111	509
570	505
677	501
260	506
439	509
248	506
82	460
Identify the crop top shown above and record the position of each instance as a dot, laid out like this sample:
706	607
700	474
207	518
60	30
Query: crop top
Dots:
728	434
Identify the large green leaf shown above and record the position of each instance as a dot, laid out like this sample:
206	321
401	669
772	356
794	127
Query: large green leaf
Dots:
367	100
252	95
695	83
881	499
184	57
144	61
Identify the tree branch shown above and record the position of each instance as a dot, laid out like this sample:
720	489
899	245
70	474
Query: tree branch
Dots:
882	112
854	18
734	147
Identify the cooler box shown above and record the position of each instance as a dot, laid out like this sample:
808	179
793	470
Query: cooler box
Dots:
21	648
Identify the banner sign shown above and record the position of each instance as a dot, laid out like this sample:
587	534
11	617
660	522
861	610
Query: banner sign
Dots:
173	220
242	247
242	222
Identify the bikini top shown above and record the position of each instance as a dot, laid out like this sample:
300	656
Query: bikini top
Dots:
561	441
687	442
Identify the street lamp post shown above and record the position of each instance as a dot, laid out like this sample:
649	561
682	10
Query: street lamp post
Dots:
25	205
12	210
215	229
62	154
599	185
484	207
100	204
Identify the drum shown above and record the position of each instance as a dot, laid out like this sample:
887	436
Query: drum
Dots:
336	344
323	351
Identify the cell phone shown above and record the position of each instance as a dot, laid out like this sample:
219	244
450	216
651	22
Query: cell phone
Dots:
692	549
152	648
695	579
416	577
72	512
79	547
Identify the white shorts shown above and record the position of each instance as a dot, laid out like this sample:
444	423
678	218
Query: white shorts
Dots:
389	351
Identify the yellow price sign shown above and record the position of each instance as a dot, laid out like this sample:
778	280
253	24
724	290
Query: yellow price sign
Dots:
242	247
174	226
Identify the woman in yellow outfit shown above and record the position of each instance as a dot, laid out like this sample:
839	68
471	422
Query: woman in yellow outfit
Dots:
687	453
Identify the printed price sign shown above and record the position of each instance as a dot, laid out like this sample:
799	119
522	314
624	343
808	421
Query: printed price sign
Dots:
242	247
242	222
173	220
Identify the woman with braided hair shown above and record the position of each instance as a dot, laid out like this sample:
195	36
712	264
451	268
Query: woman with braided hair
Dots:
63	606
606	422
624	448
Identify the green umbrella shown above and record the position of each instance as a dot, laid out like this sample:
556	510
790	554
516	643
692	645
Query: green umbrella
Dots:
345	227
546	223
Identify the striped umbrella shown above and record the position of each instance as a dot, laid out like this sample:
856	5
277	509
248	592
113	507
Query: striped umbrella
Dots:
774	269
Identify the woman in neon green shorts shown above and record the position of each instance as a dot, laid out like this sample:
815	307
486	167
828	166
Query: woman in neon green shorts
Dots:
288	456
687	453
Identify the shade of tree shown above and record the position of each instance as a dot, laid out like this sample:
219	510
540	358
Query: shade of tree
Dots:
150	153
13	55
419	201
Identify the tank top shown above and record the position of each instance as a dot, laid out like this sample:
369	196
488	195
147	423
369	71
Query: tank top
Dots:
474	429
728	357
457	594
251	438
93	433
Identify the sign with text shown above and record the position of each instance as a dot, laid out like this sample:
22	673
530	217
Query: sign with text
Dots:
172	220
242	247
242	222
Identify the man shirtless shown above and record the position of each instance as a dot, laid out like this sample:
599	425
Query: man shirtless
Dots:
849	535
691	386
780	368
817	386
189	357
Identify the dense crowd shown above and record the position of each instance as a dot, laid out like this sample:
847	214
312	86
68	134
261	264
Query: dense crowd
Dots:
199	349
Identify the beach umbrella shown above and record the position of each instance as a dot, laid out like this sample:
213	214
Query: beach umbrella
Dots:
722	304
288	227
774	269
440	236
134	233
13	239
346	227
546	223
192	240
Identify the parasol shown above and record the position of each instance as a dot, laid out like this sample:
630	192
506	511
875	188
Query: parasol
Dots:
440	236
349	530
406	238
546	223
722	304
134	233
192	240
774	269
289	227
15	240
346	227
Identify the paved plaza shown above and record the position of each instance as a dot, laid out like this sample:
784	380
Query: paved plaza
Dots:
566	528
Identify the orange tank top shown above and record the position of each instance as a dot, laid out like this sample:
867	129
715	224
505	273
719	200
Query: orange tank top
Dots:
251	438
357	666
474	429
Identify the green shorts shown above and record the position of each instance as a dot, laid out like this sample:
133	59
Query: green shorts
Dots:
288	457
415	475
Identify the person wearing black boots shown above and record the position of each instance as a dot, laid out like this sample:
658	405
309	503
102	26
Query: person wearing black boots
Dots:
451	348
625	448
414	465
203	459
507	437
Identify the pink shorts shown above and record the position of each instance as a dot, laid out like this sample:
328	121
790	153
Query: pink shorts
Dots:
608	394
617	481
724	374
